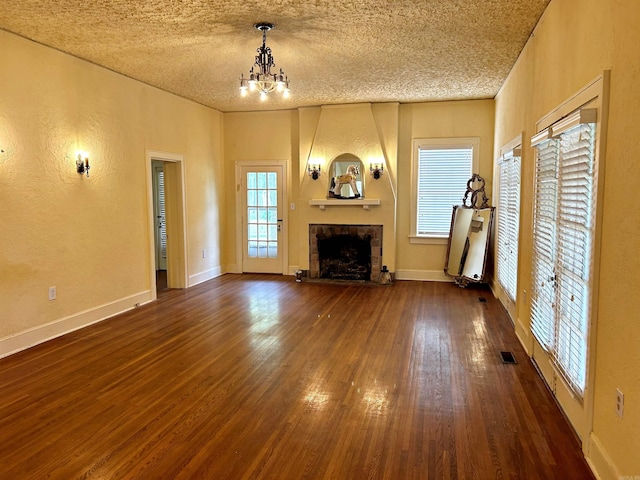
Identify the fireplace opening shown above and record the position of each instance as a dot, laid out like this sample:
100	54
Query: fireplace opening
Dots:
345	252
345	257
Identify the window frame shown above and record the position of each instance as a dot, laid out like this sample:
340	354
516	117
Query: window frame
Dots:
510	157
421	143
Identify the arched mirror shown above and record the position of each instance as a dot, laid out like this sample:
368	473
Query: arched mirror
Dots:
470	234
345	177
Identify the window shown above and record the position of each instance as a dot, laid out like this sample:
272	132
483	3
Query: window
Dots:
508	219
441	169
563	232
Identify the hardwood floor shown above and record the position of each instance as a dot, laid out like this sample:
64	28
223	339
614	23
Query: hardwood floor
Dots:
259	377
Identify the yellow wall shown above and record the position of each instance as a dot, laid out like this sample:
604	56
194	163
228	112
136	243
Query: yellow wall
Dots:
472	118
89	237
322	133
573	44
371	132
255	137
326	133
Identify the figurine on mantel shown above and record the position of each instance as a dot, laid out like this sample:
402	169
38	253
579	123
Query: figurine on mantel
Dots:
348	178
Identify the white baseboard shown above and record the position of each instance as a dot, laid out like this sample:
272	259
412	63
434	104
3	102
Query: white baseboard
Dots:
423	275
600	462
204	276
42	333
524	335
293	269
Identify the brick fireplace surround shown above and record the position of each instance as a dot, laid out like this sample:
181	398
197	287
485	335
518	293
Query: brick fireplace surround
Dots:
374	232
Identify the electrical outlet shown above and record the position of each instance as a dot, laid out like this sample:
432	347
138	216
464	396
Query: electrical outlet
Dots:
204	253
524	296
52	293
619	403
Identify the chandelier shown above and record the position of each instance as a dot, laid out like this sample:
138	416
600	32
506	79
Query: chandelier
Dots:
263	80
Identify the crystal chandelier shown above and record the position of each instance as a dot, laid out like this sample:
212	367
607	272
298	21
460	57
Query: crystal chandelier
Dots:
263	80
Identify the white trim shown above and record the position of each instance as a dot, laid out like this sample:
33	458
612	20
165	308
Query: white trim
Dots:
461	142
285	211
204	276
512	148
359	202
423	275
508	152
524	336
600	462
541	136
152	155
42	333
590	92
579	117
595	93
293	269
421	240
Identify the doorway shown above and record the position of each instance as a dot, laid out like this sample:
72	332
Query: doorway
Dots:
262	238
160	225
167	229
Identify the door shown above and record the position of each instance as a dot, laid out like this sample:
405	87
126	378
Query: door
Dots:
173	251
159	216
262	221
563	252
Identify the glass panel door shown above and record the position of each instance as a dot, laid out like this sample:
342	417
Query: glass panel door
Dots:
262	219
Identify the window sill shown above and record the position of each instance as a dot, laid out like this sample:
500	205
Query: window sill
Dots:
428	240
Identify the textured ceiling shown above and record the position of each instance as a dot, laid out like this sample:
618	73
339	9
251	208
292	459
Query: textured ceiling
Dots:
333	51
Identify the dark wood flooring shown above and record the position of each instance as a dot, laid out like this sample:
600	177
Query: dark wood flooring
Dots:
259	377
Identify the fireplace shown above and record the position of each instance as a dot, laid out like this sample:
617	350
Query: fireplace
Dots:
345	252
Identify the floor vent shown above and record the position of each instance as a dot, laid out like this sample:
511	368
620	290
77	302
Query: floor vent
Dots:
482	299
507	357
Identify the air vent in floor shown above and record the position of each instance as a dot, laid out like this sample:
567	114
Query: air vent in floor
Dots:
507	357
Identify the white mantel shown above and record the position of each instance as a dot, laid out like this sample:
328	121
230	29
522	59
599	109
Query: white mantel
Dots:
365	203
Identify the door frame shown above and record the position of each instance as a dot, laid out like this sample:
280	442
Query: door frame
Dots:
177	272
240	164
580	414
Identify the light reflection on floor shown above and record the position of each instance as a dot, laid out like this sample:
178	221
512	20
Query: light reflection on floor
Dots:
264	317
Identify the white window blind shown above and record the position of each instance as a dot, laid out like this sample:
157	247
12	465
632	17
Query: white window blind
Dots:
508	217
161	213
576	207
563	231
442	178
544	242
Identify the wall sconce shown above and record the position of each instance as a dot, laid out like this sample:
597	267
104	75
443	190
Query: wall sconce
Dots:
82	164
314	170
376	170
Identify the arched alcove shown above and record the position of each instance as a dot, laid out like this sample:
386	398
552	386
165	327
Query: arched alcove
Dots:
345	177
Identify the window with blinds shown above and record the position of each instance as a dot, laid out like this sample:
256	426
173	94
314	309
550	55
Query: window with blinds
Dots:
563	231
161	214
508	220
442	175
